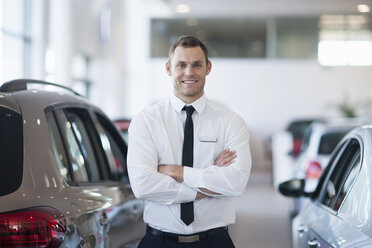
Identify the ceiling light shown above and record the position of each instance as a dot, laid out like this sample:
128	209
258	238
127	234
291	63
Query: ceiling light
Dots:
363	8
183	8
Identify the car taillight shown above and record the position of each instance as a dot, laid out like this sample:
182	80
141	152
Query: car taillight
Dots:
32	227
314	170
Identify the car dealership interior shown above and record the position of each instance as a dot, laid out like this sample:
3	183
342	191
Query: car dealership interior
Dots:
274	62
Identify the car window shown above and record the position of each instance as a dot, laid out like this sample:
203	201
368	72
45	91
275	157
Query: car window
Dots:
78	162
329	141
325	174
11	151
79	121
58	148
306	139
342	175
298	128
348	182
115	146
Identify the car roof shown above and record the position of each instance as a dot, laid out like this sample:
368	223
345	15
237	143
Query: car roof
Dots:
36	99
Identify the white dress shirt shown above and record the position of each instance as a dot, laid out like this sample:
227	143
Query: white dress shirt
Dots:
156	137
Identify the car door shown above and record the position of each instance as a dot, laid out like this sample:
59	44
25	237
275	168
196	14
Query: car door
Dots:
86	162
320	224
126	220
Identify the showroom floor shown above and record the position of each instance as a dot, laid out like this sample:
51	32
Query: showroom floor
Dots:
262	216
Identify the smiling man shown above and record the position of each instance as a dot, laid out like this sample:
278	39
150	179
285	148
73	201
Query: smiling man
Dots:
187	158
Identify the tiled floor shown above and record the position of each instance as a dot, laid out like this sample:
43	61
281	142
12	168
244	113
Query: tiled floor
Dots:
262	216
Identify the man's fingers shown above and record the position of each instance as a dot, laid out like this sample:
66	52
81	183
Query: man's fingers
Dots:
225	158
229	160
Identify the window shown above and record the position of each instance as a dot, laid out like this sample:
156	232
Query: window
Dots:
342	176
332	40
306	139
58	148
329	141
83	151
237	38
78	162
11	151
79	120
297	38
114	146
345	40
14	40
324	176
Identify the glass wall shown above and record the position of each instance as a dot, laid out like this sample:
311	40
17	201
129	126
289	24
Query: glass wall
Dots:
345	40
333	40
225	38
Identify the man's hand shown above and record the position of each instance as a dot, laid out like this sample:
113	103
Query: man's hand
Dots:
225	158
200	196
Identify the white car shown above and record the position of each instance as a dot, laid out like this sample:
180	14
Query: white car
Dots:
321	137
63	178
286	147
339	211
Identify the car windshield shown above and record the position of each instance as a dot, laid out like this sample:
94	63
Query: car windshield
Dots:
329	141
11	151
298	128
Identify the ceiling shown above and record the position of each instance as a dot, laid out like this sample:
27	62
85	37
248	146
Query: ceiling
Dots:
254	8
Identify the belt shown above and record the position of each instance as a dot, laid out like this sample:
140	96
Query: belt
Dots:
186	238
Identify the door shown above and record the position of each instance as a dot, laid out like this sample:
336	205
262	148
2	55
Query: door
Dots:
319	222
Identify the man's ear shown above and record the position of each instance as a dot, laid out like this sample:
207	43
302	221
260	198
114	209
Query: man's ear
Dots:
209	67
168	68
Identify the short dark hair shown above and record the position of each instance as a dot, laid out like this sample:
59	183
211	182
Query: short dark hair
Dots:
188	41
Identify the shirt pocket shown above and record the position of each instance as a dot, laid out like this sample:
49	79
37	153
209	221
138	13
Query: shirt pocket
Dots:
209	146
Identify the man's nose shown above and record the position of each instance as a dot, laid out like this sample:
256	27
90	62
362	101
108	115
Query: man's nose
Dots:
188	70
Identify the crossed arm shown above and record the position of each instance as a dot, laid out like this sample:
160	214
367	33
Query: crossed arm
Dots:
225	158
171	183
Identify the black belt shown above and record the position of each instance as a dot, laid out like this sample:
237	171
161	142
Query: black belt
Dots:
186	238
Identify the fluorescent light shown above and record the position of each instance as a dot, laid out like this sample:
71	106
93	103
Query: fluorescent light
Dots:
363	8
183	8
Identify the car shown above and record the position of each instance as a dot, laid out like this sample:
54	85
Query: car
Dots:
297	129
285	147
320	138
63	175
123	126
339	210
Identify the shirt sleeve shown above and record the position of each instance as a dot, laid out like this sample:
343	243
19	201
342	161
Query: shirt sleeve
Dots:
146	182
229	180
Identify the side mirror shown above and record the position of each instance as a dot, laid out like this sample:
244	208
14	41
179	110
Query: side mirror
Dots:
293	188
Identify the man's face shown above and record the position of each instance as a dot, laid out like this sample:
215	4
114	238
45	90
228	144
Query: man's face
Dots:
188	70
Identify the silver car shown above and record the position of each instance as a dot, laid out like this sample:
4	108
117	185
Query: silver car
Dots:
339	213
63	178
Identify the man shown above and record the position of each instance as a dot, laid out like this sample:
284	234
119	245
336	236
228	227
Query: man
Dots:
187	162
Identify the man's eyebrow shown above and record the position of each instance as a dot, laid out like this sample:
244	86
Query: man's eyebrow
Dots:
196	61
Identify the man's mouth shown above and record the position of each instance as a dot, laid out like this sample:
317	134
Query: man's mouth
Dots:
189	81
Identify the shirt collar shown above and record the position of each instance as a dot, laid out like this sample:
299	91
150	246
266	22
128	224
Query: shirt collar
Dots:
199	104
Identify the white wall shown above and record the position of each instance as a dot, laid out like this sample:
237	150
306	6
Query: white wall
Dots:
266	93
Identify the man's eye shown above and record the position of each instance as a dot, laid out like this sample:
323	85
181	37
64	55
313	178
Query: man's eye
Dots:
197	65
181	65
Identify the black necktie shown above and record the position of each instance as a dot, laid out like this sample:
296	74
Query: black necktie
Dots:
187	209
